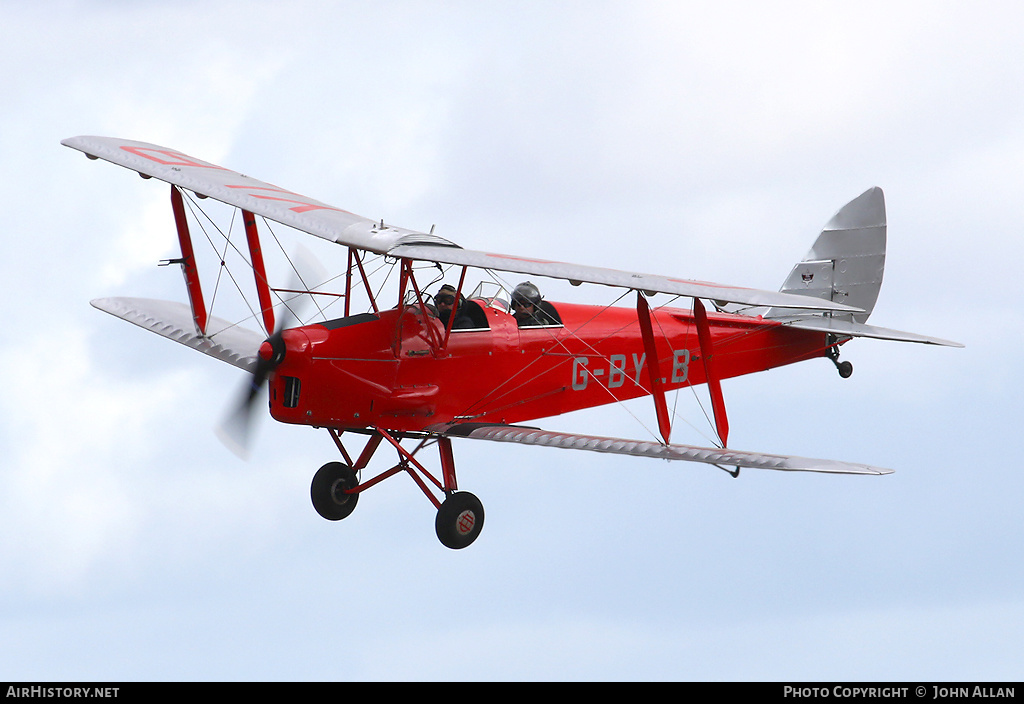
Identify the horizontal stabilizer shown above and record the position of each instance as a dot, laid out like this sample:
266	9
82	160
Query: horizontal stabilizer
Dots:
641	448
229	343
846	328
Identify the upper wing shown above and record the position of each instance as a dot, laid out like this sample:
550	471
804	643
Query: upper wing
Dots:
257	197
346	228
578	273
640	448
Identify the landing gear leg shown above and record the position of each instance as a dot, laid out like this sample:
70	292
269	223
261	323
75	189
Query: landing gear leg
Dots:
460	517
845	368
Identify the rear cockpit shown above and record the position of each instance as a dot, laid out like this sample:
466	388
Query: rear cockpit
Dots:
490	294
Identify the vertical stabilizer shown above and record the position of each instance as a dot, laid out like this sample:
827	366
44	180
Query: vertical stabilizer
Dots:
846	263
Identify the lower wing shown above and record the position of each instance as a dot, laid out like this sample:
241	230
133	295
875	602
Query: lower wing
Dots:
228	343
717	456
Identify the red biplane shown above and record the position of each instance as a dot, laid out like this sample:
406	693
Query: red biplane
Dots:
425	366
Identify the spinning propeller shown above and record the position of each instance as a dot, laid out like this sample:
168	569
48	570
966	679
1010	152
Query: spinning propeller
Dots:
307	273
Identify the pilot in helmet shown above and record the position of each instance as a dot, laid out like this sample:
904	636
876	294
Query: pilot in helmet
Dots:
525	305
445	300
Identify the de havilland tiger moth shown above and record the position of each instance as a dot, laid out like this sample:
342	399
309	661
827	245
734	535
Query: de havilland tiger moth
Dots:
417	367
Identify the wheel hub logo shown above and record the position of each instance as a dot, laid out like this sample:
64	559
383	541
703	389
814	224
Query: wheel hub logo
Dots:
465	522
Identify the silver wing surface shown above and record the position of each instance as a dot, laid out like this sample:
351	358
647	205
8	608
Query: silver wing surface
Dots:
640	448
229	343
345	228
233	188
578	273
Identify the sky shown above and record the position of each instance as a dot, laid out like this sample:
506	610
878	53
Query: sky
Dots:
702	140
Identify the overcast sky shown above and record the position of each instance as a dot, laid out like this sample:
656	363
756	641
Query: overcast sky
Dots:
703	140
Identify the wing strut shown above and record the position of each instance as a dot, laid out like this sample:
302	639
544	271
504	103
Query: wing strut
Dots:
409	277
366	281
259	270
707	354
455	309
643	314
188	263
348	284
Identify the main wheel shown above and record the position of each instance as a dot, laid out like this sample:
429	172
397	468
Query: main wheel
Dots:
459	520
328	491
845	369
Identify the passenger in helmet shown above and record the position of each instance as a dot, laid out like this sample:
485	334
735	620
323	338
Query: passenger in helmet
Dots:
469	315
529	308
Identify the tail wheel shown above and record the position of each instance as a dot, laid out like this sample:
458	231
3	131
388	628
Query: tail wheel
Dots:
459	520
328	491
845	368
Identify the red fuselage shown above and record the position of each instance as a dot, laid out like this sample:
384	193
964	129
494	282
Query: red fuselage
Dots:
390	371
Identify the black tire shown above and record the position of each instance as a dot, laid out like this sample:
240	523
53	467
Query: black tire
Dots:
328	491
459	520
845	369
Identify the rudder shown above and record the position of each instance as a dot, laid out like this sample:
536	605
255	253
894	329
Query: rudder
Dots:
847	261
